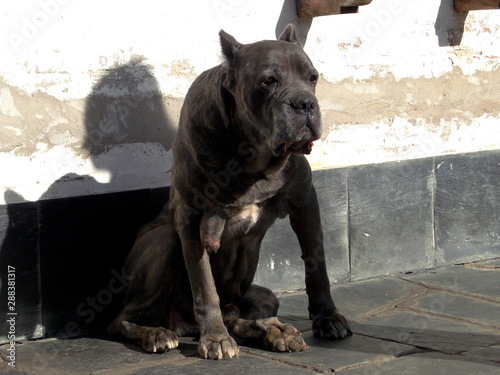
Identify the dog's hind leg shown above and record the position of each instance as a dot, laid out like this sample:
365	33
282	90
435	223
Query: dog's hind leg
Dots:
257	325
153	268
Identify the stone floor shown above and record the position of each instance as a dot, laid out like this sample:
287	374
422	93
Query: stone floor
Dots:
435	322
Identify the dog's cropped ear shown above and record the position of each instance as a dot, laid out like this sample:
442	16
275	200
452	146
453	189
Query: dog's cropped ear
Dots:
229	46
289	34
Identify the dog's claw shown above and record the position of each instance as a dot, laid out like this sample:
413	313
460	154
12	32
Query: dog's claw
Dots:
216	348
159	340
294	346
172	344
279	346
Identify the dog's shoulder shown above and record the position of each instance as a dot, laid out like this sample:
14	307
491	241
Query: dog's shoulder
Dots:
204	101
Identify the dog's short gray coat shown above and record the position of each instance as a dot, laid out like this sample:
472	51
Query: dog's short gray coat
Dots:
238	165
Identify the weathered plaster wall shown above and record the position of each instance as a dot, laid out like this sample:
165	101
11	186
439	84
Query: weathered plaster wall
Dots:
90	91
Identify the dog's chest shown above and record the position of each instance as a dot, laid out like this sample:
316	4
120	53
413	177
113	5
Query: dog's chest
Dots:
243	219
250	213
253	206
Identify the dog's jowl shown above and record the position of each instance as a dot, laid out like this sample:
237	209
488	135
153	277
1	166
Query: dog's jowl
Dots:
239	164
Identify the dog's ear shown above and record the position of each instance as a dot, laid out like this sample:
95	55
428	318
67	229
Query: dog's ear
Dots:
289	34
229	46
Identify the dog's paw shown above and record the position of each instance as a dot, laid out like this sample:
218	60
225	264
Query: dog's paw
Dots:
159	340
334	326
284	338
214	347
269	334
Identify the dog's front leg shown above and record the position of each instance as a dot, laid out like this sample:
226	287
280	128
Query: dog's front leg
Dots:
306	223
215	342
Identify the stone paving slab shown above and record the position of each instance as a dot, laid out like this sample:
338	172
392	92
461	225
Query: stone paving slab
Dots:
243	364
99	356
489	264
490	353
330	355
86	355
481	282
428	364
429	332
355	299
435	322
471	309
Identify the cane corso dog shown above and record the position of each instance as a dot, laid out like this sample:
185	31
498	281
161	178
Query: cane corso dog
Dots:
238	165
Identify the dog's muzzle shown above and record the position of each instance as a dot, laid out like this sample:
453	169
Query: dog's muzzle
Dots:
306	111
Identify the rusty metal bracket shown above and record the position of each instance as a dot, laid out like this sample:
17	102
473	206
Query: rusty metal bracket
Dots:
467	5
316	8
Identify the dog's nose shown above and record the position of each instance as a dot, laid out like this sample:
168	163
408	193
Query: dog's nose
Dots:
305	102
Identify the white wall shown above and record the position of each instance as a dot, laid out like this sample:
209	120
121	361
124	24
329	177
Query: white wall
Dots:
392	87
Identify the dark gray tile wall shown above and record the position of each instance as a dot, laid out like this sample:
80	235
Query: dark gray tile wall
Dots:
391	217
19	250
83	245
467	207
377	219
280	264
66	252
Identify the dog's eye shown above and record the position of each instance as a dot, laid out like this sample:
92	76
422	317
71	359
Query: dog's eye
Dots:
313	78
269	81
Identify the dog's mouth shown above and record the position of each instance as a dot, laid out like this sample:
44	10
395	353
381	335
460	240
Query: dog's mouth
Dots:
304	147
302	144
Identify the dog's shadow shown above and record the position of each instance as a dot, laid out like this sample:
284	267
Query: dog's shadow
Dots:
84	240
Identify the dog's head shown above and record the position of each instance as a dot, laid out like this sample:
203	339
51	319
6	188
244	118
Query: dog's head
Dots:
273	85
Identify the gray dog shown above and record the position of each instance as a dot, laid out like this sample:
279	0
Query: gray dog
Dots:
239	164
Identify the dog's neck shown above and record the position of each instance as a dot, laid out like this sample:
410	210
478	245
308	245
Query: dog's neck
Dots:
257	157
262	159
268	164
